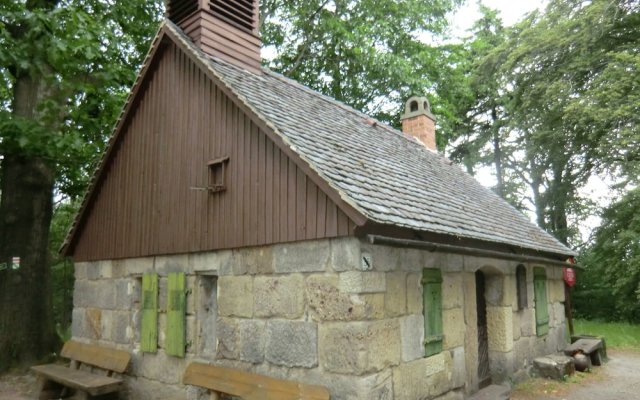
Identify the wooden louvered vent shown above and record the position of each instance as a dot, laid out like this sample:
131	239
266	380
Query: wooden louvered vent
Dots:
239	13
177	10
225	29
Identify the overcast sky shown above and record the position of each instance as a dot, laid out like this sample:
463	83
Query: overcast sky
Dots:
511	11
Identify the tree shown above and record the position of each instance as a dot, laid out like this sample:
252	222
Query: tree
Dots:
554	72
368	54
613	262
483	123
65	66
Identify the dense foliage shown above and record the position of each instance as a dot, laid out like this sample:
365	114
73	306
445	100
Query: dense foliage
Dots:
611	283
555	105
553	101
369	54
65	68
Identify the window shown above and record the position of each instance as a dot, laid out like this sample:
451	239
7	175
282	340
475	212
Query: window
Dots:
540	294
207	314
432	308
217	175
521	286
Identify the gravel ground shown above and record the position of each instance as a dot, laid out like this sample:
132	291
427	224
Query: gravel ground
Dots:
17	386
618	379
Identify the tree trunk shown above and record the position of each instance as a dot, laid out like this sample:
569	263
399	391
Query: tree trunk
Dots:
26	204
497	153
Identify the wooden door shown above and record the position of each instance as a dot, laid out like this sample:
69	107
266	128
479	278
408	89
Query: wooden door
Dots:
484	372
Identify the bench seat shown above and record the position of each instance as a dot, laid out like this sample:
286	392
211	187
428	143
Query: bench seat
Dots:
85	381
249	386
55	380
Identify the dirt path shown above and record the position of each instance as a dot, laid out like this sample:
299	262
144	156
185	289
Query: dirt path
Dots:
15	386
617	379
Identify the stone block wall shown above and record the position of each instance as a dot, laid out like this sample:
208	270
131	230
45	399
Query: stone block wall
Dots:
338	312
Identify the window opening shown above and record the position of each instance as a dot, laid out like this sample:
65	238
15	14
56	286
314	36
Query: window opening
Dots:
521	286
540	293
217	175
207	314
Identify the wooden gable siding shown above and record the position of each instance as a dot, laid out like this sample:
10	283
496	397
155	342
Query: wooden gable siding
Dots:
145	204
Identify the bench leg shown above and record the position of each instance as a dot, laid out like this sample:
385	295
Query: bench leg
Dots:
48	389
79	395
596	358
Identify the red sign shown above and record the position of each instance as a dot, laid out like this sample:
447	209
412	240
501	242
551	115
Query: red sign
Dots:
569	276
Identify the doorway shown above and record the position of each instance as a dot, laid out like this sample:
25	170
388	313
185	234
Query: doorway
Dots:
484	372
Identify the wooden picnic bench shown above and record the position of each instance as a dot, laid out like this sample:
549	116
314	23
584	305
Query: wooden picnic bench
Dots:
592	347
58	381
248	386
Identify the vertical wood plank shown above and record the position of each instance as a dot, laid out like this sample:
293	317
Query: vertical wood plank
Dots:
321	215
343	223
311	201
301	204
175	329
275	207
291	201
332	219
269	183
261	206
247	232
149	323
284	197
252	204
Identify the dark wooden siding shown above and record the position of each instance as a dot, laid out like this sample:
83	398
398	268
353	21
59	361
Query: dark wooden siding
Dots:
220	39
144	204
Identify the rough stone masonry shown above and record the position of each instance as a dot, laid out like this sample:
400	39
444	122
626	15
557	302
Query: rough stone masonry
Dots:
314	312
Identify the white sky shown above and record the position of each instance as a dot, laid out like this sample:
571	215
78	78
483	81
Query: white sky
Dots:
511	11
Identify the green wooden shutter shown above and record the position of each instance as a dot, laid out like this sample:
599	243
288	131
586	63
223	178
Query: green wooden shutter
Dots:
432	307
540	293
149	325
176	297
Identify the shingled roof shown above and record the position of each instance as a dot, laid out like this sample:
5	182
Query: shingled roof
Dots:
387	176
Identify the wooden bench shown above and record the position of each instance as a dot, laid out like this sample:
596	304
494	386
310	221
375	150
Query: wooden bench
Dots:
56	381
248	386
592	347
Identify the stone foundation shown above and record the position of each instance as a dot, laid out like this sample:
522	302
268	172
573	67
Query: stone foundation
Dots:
315	312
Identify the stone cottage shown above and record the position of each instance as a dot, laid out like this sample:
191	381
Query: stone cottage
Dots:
240	218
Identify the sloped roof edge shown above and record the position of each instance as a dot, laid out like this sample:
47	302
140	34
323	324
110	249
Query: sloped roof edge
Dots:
115	133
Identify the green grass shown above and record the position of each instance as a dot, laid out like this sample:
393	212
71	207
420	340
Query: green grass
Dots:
618	335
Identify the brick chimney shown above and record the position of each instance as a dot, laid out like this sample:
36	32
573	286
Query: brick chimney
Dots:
418	121
227	29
